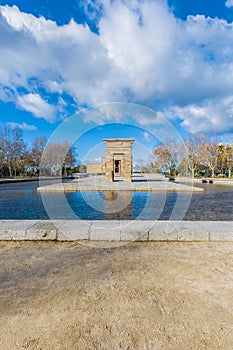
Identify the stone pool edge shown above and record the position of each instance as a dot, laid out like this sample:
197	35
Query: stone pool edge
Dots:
115	230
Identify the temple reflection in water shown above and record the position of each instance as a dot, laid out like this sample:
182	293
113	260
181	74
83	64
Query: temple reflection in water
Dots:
118	205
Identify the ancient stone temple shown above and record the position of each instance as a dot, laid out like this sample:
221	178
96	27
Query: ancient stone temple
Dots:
118	160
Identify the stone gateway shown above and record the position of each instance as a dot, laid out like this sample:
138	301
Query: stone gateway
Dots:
118	160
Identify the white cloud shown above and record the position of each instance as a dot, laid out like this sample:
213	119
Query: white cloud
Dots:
65	58
36	105
23	126
229	3
210	116
142	54
147	136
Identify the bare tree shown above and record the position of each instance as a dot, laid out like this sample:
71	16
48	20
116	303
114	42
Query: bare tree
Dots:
208	154
36	153
2	153
13	148
18	148
56	157
165	155
190	151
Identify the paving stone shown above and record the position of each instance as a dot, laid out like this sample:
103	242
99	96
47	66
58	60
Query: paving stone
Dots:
42	230
105	230
72	230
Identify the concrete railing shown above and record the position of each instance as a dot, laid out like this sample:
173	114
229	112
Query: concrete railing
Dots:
80	230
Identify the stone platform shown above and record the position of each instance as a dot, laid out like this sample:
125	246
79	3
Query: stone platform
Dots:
139	183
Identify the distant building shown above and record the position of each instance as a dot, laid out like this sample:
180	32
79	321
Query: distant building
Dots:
94	168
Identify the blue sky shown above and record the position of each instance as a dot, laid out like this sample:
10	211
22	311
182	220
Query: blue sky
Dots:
144	141
175	57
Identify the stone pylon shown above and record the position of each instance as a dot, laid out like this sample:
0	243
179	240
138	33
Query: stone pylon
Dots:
118	160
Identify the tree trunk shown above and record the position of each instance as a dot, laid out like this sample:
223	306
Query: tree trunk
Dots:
10	171
212	169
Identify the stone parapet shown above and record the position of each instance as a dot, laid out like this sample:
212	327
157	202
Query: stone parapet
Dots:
139	183
115	230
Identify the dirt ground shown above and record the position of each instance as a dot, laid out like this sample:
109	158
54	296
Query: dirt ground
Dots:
134	297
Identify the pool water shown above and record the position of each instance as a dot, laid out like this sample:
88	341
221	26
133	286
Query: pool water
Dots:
21	201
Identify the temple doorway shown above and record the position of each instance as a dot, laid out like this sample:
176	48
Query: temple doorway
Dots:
117	167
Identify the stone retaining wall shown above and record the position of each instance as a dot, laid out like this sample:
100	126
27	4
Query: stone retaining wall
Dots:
79	230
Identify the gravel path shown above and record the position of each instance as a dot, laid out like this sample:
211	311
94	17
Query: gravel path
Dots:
138	296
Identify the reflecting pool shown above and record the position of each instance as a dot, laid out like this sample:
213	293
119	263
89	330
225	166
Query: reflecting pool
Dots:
21	201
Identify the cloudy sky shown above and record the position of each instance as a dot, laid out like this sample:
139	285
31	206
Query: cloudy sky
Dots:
175	57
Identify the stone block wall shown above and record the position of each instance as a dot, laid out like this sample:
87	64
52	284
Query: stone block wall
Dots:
119	150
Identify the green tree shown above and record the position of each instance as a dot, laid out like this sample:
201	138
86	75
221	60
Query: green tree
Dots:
36	153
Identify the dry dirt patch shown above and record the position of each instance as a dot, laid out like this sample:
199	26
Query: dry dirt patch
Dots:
138	296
